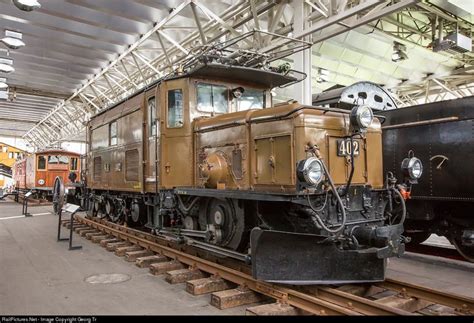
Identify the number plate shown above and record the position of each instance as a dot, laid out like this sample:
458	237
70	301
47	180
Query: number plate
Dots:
344	147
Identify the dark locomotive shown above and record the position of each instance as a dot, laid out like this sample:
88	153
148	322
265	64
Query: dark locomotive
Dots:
441	134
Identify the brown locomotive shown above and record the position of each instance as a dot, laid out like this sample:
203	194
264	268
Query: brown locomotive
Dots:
204	157
38	171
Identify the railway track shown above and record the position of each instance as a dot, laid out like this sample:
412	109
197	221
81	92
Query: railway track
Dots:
231	284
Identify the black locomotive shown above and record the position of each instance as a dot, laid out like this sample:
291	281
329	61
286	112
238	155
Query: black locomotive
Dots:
441	134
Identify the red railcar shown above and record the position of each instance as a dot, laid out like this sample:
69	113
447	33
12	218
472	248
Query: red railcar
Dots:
38	171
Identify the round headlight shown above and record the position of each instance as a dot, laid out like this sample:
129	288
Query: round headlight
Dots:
312	171
41	181
362	116
412	167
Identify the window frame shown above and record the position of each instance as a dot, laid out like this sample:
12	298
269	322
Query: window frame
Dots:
168	108
152	123
110	133
71	159
38	163
216	85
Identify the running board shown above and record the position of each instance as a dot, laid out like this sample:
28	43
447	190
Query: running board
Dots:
218	250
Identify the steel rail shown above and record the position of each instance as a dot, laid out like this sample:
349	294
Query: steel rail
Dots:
320	300
295	298
462	304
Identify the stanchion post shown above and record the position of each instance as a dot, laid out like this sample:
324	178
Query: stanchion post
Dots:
72	209
71	247
25	204
59	226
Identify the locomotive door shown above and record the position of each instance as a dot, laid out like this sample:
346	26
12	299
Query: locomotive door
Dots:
152	134
176	135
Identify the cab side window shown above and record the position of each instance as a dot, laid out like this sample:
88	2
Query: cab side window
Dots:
152	125
41	162
175	109
73	163
113	133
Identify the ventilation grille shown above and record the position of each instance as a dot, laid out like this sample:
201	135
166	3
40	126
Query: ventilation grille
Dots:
97	168
131	165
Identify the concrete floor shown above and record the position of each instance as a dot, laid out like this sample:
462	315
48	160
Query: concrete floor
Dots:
41	276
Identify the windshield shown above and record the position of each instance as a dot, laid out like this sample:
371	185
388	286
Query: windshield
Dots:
63	160
212	98
250	99
215	98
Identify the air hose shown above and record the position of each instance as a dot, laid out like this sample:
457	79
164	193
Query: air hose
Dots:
343	209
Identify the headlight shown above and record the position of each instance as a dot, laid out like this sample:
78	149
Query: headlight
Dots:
412	167
310	170
361	117
41	181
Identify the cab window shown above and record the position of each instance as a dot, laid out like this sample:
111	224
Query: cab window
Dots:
249	99
73	163
175	109
113	133
41	162
212	98
58	160
152	116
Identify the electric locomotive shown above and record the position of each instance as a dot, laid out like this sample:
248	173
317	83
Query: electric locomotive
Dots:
37	172
204	156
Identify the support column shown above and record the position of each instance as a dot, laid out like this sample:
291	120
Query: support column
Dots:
302	60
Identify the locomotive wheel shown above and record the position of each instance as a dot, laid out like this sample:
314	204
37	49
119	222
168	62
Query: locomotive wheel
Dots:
466	252
226	220
58	195
111	211
135	216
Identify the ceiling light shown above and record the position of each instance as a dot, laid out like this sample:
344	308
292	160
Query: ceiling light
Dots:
3	84
323	75
6	65
27	5
399	52
13	39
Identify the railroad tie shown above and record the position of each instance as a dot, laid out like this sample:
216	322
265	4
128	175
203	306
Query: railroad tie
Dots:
120	251
104	243
409	304
84	232
235	297
273	309
79	229
133	255
207	285
93	234
183	275
99	238
163	267
114	245
145	262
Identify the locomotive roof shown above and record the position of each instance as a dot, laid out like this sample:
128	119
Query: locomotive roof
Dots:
258	77
57	151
